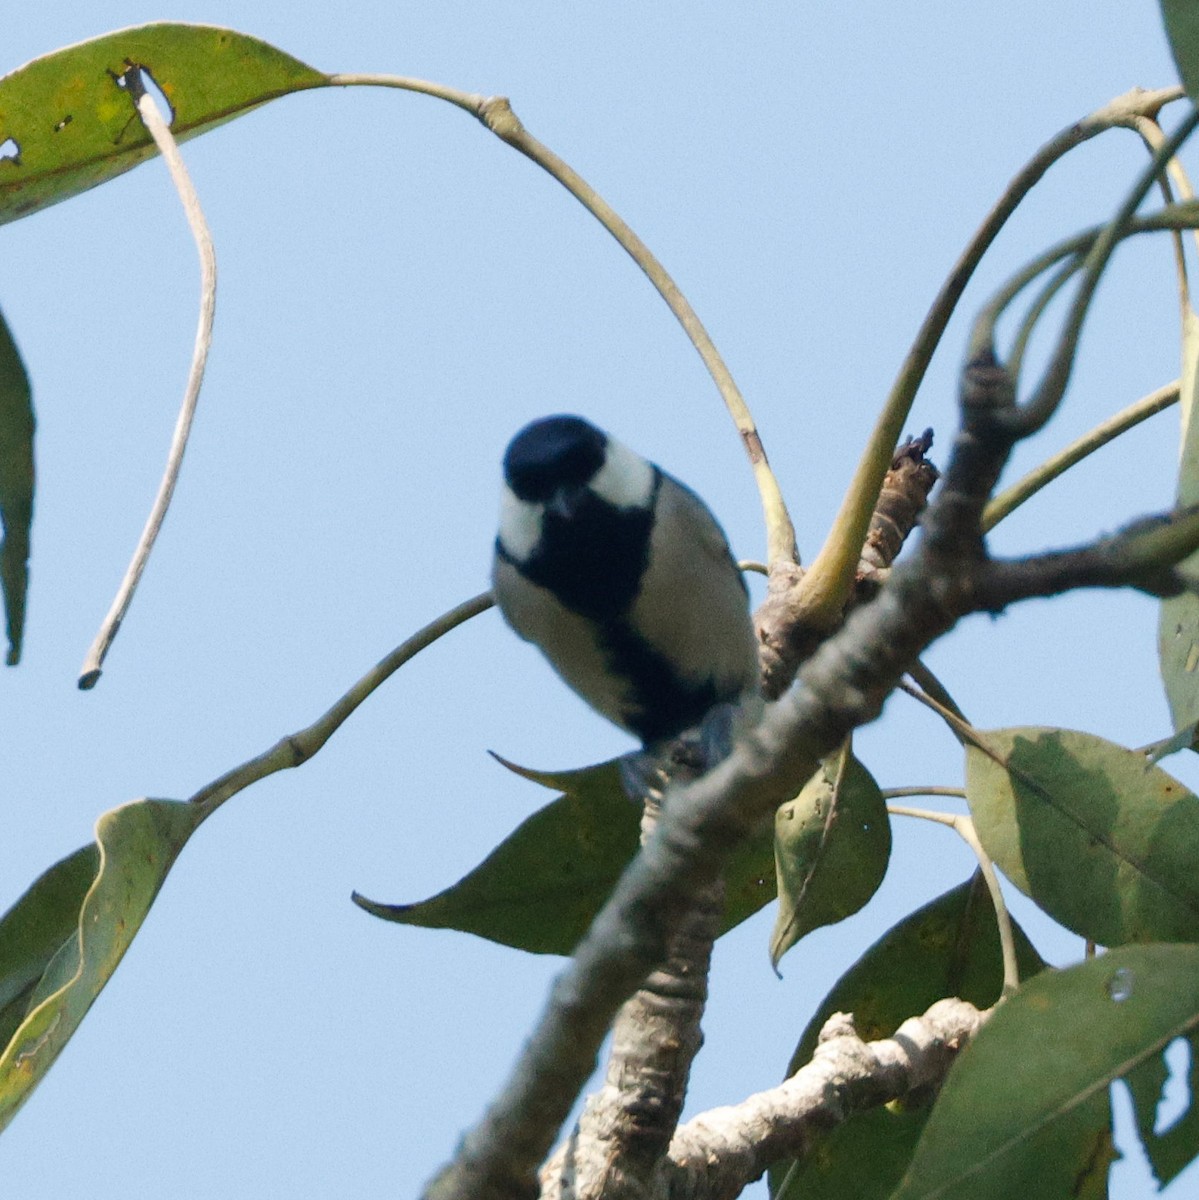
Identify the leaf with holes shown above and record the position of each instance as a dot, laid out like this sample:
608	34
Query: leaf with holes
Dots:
832	844
60	942
1168	1149
16	487
540	888
67	126
1044	1129
1178	623
950	947
1103	842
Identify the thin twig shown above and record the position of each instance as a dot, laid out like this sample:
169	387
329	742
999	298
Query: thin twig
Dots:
1023	489
158	129
299	747
963	826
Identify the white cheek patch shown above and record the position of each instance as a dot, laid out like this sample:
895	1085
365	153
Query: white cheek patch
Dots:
625	480
520	525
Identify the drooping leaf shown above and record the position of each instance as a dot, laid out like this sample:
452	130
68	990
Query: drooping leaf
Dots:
74	128
1178	621
1103	842
34	929
16	486
1044	1130
832	845
64	938
540	888
1182	28
949	947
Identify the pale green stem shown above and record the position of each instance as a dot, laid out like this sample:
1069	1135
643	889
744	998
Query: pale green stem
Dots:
1184	215
496	114
932	789
1011	498
299	747
1058	280
964	827
1043	403
1114	114
830	579
1153	137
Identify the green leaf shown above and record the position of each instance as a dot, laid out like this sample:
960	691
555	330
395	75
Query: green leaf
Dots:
75	128
34	929
1182	28
64	938
1103	842
749	879
832	845
540	888
1044	1130
949	947
16	485
1171	1149
1178	622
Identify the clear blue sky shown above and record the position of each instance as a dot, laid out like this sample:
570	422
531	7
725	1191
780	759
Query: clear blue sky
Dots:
399	292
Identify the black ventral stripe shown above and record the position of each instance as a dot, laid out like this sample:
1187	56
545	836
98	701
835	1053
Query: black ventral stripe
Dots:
663	703
593	557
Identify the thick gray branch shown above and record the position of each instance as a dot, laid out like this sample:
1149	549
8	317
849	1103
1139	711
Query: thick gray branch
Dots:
626	1127
841	687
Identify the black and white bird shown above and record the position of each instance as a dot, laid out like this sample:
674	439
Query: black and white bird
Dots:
623	579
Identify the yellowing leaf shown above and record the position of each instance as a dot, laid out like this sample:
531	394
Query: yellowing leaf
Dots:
74	128
64	938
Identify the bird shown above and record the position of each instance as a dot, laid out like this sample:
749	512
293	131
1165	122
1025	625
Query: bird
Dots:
623	578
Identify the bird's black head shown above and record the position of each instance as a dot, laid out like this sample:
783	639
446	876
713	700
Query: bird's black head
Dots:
553	453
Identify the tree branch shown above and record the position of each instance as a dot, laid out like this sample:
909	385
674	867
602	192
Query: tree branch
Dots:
716	1155
843	686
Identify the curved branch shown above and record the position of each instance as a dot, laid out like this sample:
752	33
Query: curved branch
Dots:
496	114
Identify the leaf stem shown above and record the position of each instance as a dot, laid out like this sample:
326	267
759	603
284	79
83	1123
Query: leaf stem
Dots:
931	789
1023	489
964	827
